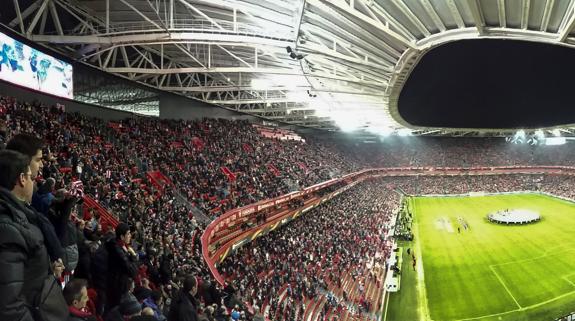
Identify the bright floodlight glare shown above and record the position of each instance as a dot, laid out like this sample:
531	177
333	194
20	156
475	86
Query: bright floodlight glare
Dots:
539	134
346	121
556	132
259	84
381	131
520	133
553	141
519	137
404	132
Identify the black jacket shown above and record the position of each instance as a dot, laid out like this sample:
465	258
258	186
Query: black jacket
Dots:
183	308
24	259
51	239
121	267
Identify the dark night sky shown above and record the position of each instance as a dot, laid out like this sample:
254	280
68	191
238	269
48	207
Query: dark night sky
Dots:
491	84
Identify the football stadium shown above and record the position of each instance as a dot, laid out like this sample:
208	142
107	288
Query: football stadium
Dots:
287	160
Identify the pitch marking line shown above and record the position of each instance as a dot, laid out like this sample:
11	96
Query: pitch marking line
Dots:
536	305
505	286
420	276
566	278
535	258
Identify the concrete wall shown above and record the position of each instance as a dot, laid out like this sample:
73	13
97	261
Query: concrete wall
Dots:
29	95
178	107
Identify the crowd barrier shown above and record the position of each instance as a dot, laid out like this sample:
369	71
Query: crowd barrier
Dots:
214	251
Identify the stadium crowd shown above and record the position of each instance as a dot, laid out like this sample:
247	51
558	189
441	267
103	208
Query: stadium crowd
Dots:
153	265
358	225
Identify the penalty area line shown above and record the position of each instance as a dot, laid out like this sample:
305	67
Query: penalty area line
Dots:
505	286
533	306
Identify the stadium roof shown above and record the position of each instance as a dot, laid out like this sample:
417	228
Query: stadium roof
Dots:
349	58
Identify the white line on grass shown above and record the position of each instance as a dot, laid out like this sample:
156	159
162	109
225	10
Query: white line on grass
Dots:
386	306
421	290
505	286
533	306
566	278
546	254
490	315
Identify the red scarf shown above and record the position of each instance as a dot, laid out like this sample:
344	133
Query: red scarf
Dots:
78	313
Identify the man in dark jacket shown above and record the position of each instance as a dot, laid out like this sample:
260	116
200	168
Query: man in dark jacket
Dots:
32	147
184	306
121	265
26	281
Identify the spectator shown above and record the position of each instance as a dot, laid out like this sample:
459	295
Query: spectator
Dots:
121	265
128	309
42	200
28	289
32	147
76	295
184	306
257	314
155	302
29	145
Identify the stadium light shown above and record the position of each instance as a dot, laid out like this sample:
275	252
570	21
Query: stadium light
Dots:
519	137
381	131
259	84
554	141
404	132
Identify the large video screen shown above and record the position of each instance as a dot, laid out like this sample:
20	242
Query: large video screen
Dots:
26	66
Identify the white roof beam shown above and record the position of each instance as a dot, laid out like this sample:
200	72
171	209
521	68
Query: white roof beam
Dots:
20	16
525	13
143	38
20	20
359	53
366	42
411	16
547	14
236	57
317	49
391	20
196	10
343	6
141	14
568	26
455	14
478	18
501	13
276	71
433	14
257	101
189	54
37	17
56	18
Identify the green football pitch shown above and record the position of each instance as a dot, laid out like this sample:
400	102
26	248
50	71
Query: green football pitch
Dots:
489	271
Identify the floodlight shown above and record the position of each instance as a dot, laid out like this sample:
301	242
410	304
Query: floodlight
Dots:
552	141
404	132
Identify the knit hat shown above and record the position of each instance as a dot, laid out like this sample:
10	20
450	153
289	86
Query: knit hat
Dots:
235	315
130	307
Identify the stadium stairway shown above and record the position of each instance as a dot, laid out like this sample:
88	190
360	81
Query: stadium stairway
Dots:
317	310
231	176
274	170
159	180
309	309
106	218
